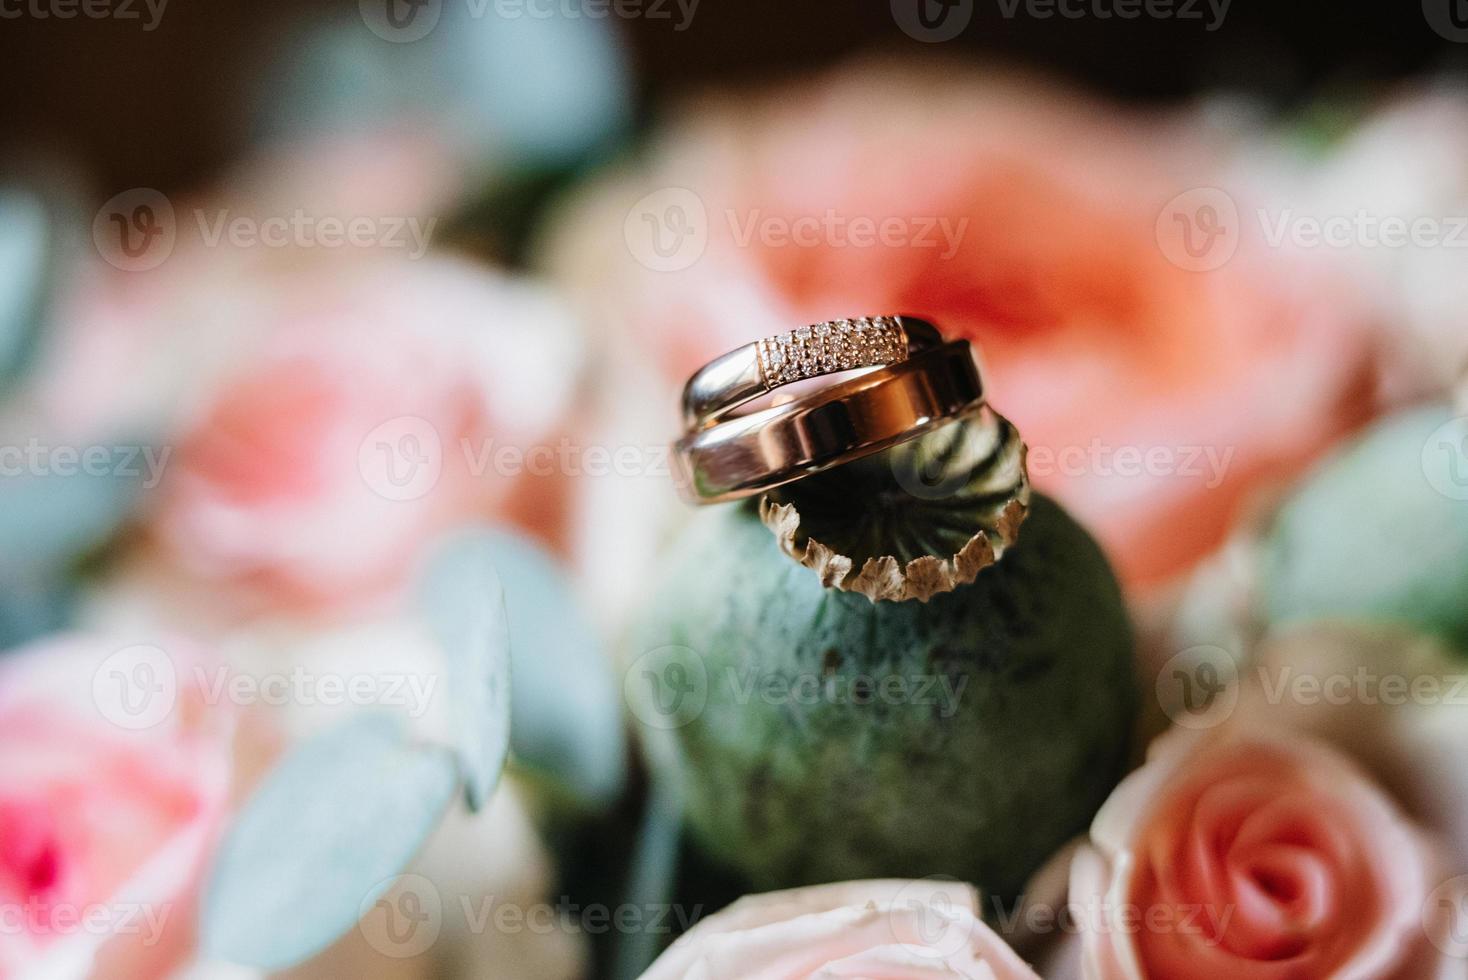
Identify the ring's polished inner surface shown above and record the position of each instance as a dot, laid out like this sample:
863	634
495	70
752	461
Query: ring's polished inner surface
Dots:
806	352
749	454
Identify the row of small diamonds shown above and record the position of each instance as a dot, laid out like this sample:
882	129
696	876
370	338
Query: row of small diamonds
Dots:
825	348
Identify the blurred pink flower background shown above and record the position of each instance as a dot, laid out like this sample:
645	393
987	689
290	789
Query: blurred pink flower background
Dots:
326	416
1025	218
109	815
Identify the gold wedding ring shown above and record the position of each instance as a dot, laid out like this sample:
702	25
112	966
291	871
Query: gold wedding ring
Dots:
723	457
807	352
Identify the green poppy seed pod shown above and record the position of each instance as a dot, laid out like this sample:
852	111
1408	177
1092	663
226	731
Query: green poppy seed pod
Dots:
819	734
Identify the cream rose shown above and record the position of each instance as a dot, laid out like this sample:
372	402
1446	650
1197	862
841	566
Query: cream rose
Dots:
1407	230
894	929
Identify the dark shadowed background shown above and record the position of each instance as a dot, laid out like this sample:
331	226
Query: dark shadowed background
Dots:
167	107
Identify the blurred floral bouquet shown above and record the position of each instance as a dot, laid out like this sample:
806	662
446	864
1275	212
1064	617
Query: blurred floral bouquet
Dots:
331	499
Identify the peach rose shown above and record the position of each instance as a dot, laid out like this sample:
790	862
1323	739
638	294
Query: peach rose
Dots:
870	929
1155	398
1244	854
1390	698
109	808
369	416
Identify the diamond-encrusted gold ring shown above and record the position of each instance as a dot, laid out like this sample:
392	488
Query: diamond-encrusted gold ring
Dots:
914	383
807	352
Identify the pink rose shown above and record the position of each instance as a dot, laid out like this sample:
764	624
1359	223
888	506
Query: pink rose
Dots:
869	929
109	805
1241	855
369	415
1155	398
396	663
